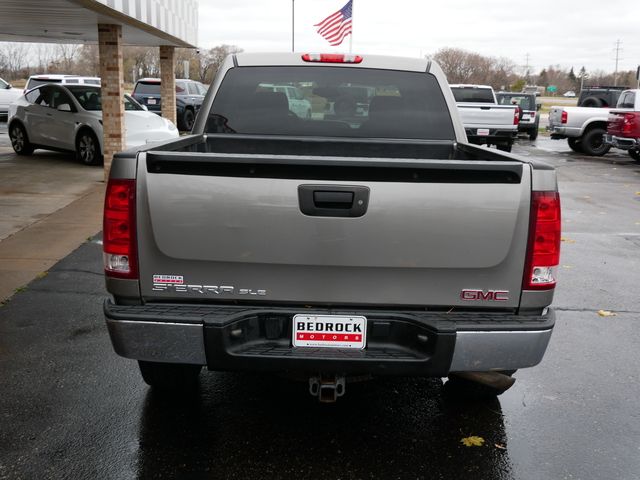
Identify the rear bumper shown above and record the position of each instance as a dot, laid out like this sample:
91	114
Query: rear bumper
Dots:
259	339
494	136
622	143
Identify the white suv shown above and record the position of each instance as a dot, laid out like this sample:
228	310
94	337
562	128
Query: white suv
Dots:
37	80
8	95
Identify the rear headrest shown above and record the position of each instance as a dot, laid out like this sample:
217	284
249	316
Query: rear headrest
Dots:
385	105
275	102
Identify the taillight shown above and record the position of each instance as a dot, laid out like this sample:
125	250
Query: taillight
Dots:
543	247
532	114
331	58
629	123
516	116
564	117
119	239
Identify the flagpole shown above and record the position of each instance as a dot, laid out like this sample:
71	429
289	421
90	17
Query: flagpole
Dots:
293	25
351	34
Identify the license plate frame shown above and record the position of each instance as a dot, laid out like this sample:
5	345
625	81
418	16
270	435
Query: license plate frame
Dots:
151	101
329	331
483	132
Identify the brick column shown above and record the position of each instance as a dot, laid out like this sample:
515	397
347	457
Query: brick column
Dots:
111	74
168	86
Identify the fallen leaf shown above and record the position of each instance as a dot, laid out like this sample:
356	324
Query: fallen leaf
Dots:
500	446
606	313
472	441
567	240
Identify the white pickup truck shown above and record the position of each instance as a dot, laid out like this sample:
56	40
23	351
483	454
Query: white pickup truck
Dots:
583	127
486	122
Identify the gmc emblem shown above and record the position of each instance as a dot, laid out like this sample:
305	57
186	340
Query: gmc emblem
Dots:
488	296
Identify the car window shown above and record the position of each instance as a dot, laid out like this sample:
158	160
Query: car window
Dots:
523	101
88	97
193	89
44	97
627	100
181	88
92	81
130	104
60	97
72	80
147	88
33	95
472	95
202	88
386	104
3	84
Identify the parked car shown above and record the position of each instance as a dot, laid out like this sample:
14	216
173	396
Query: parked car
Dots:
57	117
8	95
605	96
189	96
569	94
37	80
623	124
486	122
400	248
298	104
529	119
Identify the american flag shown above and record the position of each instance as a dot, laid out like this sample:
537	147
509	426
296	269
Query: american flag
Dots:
336	26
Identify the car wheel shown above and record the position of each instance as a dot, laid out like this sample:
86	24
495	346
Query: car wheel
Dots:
574	144
533	134
592	102
169	376
593	144
188	119
19	140
88	148
635	154
505	147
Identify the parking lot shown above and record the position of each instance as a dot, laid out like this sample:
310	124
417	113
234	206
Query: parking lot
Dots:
73	409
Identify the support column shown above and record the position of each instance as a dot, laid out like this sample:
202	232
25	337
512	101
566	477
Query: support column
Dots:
112	84
168	79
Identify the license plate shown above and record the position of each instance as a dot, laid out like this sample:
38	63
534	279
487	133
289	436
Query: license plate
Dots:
151	101
483	132
526	118
329	331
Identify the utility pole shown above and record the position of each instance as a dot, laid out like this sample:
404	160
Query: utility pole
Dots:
615	75
293	25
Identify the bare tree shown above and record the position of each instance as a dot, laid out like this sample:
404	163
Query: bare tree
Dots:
15	59
212	59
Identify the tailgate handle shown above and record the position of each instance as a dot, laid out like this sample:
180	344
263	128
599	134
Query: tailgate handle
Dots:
333	200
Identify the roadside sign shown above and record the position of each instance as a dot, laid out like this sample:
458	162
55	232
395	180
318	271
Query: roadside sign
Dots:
552	88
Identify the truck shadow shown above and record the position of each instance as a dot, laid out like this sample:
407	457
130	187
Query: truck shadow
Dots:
260	426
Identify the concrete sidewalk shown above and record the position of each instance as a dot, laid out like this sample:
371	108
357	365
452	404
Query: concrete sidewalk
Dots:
49	205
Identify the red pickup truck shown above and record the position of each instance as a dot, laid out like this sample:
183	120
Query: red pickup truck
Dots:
623	124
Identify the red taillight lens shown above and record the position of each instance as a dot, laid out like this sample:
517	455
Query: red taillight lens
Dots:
119	240
532	114
331	58
516	116
543	248
564	117
629	123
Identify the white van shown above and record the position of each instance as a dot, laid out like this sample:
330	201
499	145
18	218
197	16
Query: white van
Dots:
37	80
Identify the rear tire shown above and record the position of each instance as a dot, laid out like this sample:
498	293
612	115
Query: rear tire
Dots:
533	134
574	144
593	144
635	154
188	119
169	376
20	140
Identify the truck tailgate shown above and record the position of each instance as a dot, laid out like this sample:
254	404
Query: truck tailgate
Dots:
417	233
484	115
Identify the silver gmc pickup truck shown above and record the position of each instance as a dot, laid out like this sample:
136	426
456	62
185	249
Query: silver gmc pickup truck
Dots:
328	246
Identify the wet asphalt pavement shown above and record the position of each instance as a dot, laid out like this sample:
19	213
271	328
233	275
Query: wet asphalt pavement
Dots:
71	408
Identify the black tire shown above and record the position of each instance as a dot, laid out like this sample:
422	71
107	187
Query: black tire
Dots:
635	154
504	147
574	144
169	376
88	148
592	102
533	134
188	119
593	144
20	140
459	388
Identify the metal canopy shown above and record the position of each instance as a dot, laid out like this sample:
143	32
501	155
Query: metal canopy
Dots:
144	22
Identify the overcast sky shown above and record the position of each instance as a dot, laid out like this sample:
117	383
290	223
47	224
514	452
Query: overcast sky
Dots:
575	33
